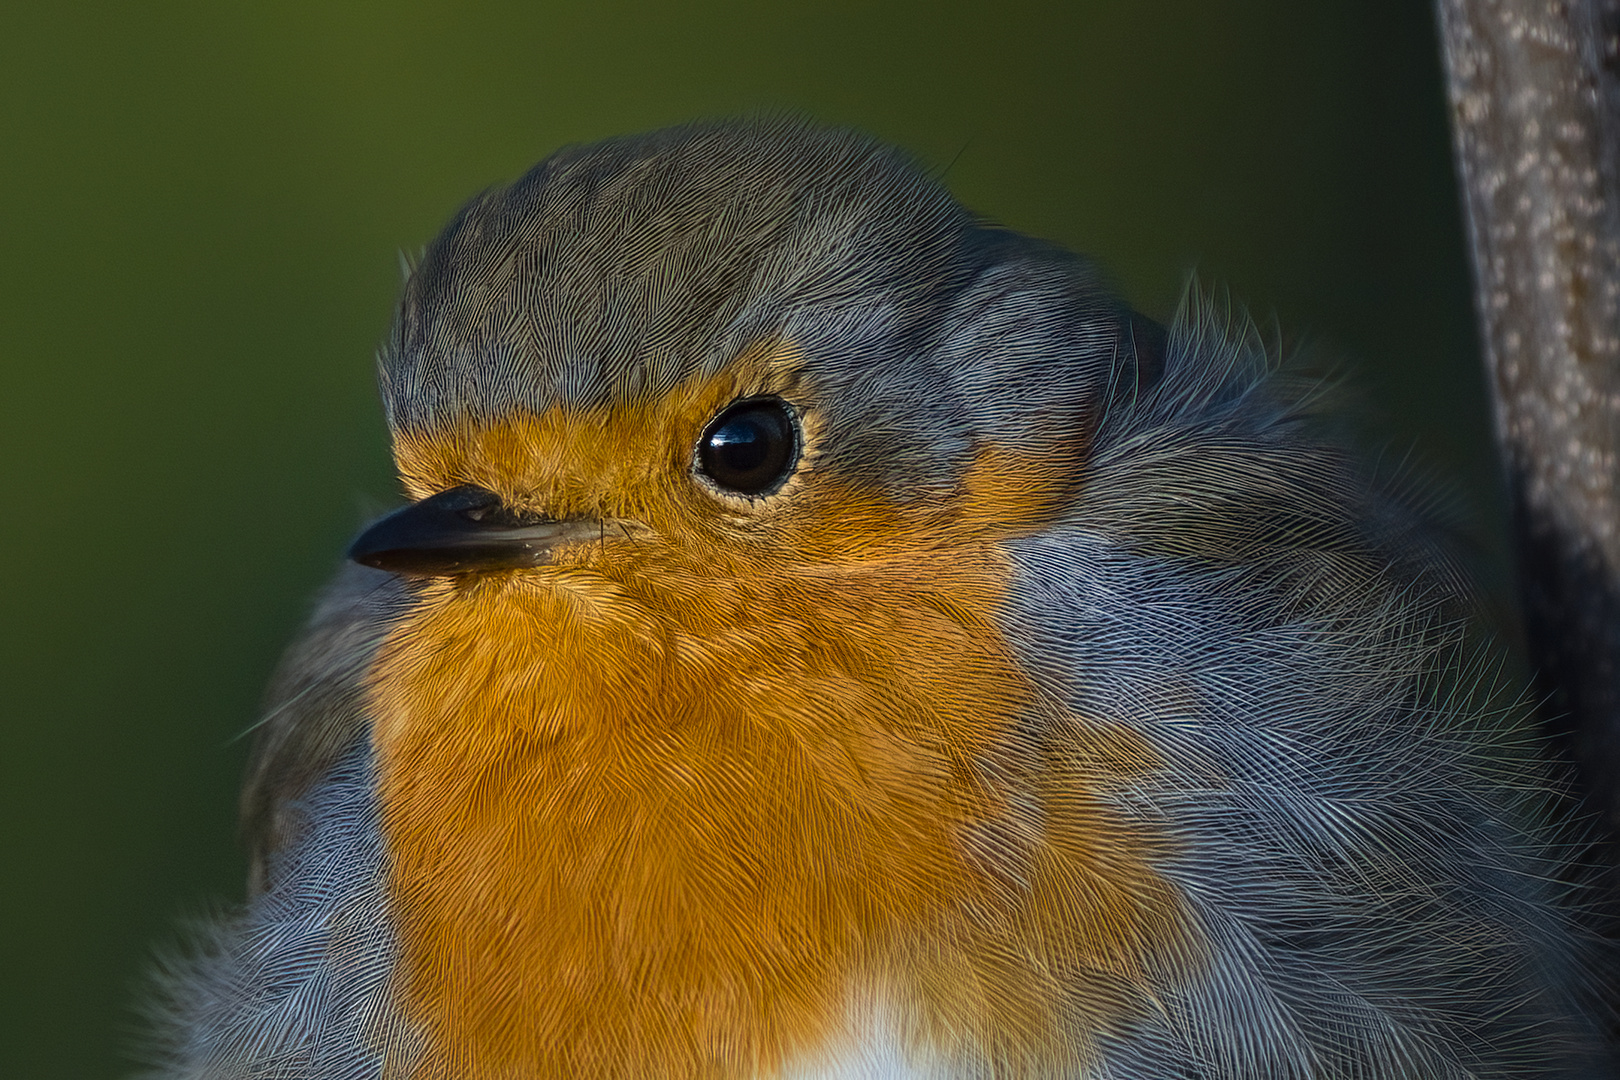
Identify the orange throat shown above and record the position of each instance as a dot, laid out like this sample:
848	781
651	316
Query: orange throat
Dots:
631	838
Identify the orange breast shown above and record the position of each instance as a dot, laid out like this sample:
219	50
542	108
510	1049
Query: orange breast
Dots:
661	812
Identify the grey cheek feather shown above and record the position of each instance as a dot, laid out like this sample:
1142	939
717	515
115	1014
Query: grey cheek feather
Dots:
1336	780
298	984
1031	342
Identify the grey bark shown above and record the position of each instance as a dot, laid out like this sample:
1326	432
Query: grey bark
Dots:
1534	92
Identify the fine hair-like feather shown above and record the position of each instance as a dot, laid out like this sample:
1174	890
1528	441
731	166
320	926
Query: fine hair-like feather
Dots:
1317	834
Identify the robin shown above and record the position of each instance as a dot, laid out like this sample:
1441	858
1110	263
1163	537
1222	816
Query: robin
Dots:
831	636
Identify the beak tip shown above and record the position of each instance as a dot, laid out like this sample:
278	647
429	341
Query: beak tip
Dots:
365	557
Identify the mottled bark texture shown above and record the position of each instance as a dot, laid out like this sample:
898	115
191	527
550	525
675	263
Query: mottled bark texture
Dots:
1535	107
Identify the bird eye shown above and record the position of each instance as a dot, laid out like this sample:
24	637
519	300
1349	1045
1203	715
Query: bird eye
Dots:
751	447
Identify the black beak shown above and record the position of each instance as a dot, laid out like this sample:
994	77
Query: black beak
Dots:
465	530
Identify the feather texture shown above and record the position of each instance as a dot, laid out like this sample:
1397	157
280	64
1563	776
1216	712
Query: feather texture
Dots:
1076	707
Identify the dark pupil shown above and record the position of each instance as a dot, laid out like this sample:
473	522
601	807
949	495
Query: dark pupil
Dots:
741	446
749	448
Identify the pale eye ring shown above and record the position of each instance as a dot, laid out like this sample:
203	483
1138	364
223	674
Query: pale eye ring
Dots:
751	446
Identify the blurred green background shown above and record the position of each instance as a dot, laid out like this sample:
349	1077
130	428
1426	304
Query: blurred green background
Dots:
200	210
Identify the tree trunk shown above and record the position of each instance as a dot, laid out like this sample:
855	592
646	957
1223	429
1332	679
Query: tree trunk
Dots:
1535	110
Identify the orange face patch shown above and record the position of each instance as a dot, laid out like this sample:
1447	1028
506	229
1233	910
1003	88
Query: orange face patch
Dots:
659	808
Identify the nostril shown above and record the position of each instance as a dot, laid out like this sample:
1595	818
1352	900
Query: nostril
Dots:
499	515
481	506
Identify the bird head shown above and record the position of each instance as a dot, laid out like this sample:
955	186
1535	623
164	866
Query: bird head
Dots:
740	338
701	715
